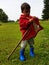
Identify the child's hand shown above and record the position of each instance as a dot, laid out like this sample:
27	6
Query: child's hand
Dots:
31	20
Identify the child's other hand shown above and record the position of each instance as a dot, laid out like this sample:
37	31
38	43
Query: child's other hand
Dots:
31	20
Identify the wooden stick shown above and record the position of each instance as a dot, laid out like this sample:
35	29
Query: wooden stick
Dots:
18	43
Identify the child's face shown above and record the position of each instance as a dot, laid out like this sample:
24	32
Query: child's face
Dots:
27	13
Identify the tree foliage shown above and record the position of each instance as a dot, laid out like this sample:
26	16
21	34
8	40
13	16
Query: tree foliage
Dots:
45	15
3	16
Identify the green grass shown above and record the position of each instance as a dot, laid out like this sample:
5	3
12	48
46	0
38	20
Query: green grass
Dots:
9	37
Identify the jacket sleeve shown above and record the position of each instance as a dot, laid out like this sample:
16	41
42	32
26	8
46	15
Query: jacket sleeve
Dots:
24	23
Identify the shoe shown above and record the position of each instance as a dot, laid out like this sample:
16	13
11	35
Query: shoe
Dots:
32	52
22	57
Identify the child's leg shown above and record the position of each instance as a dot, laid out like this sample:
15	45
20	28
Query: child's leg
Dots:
23	45
31	42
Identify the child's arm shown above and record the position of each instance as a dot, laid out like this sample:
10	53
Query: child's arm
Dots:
30	19
35	23
24	23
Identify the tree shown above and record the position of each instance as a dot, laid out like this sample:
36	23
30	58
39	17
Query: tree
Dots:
3	16
45	15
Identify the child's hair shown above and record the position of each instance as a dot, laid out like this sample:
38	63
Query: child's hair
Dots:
25	6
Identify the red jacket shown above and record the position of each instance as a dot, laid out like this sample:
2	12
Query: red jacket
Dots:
25	23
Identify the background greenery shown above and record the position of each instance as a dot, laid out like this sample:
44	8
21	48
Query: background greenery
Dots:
9	37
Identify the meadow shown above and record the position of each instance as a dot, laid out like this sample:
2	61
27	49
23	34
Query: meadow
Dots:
9	37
